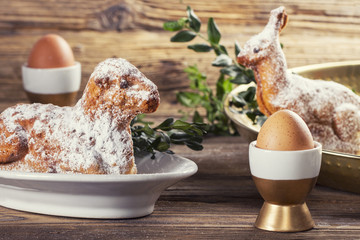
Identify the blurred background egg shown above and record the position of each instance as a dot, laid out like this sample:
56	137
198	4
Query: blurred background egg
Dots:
51	51
285	131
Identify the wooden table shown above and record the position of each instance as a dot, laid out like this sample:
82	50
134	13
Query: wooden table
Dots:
220	201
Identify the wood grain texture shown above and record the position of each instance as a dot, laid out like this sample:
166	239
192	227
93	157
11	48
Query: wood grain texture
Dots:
220	201
319	31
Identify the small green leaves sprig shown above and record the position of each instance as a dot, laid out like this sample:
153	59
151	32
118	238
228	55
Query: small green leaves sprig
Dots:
149	140
245	102
201	95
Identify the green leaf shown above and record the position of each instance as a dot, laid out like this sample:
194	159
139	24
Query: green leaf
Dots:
180	137
193	72
220	90
202	126
174	25
183	36
228	86
210	115
165	137
200	47
241	79
197	79
197	117
222	60
250	75
194	22
237	49
251	115
165	124
220	49
160	138
148	130
248	95
181	124
196	138
189	99
246	98
238	101
194	146
223	49
155	142
162	146
187	128
231	70
139	119
213	32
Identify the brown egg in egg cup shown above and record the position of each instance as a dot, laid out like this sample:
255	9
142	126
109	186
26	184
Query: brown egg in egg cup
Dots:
58	86
284	179
51	74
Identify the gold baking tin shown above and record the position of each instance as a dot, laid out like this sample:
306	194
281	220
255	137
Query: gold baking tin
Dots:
338	170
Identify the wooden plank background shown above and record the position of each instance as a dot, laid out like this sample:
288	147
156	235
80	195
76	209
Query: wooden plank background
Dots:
318	31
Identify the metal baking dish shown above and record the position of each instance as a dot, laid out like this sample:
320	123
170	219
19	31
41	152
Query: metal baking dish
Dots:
338	170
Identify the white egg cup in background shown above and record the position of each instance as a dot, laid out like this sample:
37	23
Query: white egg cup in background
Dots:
58	86
284	179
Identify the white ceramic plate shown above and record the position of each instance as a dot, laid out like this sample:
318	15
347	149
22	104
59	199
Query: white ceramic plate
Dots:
95	196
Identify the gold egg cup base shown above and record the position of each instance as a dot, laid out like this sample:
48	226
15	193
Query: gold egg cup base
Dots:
284	218
61	99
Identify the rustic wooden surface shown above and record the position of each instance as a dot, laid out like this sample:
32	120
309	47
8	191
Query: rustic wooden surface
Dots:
220	201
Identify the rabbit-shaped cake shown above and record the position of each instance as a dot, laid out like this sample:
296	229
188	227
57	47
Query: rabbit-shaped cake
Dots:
93	137
331	111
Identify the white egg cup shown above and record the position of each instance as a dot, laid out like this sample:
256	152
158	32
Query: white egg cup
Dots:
52	85
284	179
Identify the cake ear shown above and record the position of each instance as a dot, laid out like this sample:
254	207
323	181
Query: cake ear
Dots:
278	19
282	19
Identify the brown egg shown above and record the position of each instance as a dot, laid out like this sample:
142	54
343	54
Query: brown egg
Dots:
285	131
51	51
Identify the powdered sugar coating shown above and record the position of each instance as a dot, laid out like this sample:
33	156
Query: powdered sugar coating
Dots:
114	68
80	140
331	111
260	45
126	87
91	137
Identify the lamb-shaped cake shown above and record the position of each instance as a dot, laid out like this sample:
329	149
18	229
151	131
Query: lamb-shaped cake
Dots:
331	110
93	137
